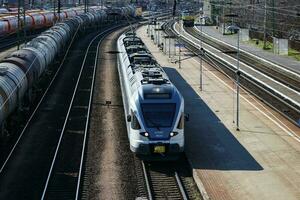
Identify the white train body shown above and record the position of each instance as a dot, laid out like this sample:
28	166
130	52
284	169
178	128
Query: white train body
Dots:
153	106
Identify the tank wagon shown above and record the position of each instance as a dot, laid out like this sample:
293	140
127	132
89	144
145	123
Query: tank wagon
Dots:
21	69
38	20
34	20
153	106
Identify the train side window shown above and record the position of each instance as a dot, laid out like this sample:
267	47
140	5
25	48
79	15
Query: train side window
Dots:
181	122
135	125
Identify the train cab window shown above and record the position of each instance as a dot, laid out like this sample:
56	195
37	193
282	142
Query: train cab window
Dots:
158	115
157	95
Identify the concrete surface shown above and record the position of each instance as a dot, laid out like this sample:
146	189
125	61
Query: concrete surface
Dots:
261	161
285	61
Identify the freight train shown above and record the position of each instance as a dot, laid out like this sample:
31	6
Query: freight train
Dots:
154	108
37	20
21	69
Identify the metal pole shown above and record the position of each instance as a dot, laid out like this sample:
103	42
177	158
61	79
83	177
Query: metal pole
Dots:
273	4
223	20
179	43
174	45
155	34
265	26
158	36
58	9
19	24
165	44
87	5
201	64
238	85
54	11
201	67
148	27
169	47
24	21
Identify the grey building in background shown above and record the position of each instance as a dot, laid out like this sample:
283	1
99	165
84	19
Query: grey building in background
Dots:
279	18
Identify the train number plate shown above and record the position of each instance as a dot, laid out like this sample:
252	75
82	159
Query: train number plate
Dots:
159	149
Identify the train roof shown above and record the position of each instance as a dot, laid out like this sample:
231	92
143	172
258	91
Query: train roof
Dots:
136	48
145	69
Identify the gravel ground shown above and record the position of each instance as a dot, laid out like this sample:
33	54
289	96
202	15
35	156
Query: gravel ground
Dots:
110	170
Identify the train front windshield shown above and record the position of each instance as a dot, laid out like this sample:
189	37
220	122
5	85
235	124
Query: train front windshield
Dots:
158	115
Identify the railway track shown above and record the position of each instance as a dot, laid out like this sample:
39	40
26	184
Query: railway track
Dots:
25	173
266	68
163	182
271	96
10	41
168	180
64	177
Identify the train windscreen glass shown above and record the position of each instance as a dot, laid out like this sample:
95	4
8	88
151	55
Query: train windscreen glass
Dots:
158	115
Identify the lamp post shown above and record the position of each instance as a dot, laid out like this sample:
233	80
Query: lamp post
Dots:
19	23
201	52
236	28
179	41
201	70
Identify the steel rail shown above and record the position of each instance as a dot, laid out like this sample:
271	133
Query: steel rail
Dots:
176	181
102	34
180	185
39	103
150	197
283	101
105	34
252	56
292	101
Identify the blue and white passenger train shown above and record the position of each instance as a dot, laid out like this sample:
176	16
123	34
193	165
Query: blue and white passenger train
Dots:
153	106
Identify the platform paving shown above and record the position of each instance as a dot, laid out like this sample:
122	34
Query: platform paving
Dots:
261	161
285	61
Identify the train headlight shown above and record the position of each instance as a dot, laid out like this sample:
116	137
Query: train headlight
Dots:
145	134
172	134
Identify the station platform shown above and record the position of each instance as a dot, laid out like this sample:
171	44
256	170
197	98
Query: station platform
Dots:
261	161
280	60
